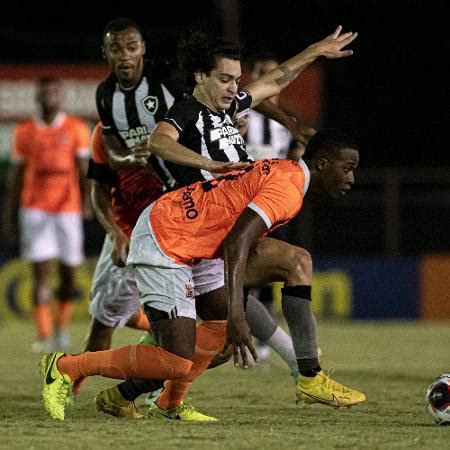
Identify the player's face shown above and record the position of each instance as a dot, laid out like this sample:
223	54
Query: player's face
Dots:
223	82
124	50
49	96
338	175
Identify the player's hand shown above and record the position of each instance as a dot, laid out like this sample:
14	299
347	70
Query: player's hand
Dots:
301	132
332	45
238	338
121	247
141	154
218	167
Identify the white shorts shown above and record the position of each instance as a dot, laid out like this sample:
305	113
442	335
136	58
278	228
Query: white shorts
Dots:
46	236
163	284
114	297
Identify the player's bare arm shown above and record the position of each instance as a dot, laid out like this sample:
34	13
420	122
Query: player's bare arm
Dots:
248	228
163	142
121	157
277	79
82	164
102	204
299	131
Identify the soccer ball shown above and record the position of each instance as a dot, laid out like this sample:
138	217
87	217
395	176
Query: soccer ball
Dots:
437	399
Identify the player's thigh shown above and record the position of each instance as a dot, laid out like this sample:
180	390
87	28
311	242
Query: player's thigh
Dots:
208	277
273	260
213	305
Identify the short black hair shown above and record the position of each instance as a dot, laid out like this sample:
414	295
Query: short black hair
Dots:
198	52
327	142
120	24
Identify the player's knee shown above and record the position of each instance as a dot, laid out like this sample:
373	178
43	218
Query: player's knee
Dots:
300	265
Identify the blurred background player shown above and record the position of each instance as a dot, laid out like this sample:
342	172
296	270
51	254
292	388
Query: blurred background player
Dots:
47	180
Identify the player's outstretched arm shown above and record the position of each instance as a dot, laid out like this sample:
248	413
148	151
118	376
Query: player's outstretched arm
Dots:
272	83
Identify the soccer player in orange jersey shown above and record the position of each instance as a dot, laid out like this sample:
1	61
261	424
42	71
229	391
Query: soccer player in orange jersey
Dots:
219	218
49	164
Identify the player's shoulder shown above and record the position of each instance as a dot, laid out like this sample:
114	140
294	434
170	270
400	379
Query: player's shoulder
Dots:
24	128
186	104
108	83
24	125
279	165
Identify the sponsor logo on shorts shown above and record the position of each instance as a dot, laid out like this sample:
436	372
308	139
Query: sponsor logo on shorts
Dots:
189	289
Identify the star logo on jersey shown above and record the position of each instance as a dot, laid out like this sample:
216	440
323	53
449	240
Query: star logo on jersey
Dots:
150	104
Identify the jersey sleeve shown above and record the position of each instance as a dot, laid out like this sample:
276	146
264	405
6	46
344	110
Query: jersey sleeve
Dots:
82	143
105	116
19	144
178	115
98	148
99	168
277	201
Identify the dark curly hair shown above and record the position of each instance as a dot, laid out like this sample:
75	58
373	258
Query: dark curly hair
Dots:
199	52
327	142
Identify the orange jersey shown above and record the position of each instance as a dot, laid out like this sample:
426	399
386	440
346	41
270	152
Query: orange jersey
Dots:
133	191
49	154
191	223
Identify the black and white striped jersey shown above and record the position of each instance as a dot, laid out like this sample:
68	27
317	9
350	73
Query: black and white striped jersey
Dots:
131	114
209	133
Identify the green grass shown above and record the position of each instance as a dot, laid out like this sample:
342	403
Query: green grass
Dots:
392	362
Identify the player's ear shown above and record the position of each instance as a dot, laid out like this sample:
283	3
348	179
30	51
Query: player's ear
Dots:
321	163
103	52
199	77
144	49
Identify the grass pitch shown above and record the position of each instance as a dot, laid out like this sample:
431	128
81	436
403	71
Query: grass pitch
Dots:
391	362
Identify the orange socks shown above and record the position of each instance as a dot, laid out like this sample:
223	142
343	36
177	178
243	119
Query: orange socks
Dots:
210	339
42	315
140	362
63	314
